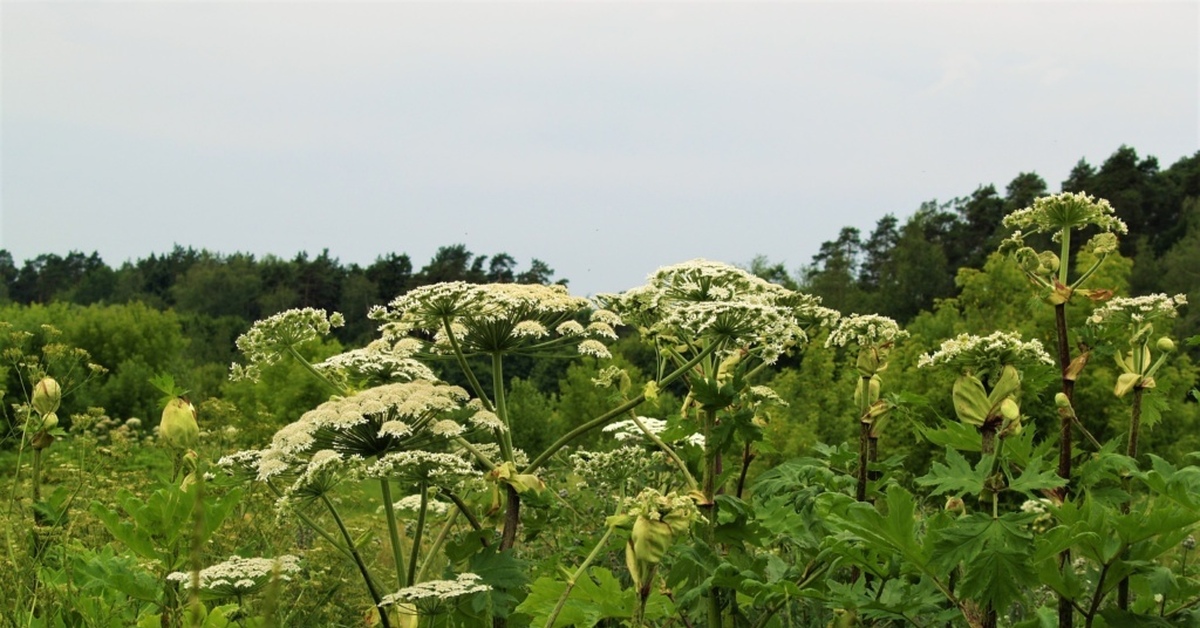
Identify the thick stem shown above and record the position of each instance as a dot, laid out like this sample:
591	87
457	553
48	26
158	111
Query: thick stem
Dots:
37	474
358	561
562	600
1131	450
747	458
505	435
420	529
987	433
512	518
864	437
393	532
1068	389
711	459
1066	610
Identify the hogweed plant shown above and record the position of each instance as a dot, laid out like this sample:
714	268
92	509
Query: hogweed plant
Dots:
1059	215
406	432
722	326
873	337
1136	317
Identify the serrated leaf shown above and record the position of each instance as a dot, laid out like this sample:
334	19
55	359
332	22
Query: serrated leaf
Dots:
505	574
1034	479
957	476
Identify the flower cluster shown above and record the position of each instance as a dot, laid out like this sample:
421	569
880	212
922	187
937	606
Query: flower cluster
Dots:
616	470
272	337
1052	214
499	318
239	576
1043	519
654	506
866	330
418	466
433	596
701	298
389	358
986	354
412	504
1137	311
628	430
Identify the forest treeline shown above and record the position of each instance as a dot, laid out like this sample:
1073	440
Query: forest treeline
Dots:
903	267
180	312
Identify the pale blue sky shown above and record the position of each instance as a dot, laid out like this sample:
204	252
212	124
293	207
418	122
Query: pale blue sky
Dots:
606	139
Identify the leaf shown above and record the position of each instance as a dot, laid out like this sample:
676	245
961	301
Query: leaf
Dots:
1033	479
957	476
504	573
1153	406
596	596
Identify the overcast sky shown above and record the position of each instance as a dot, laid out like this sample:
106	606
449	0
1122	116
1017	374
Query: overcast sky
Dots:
605	139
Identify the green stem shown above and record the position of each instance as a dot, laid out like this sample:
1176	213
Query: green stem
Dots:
308	521
1131	450
466	368
466	511
562	600
37	474
615	412
440	540
479	455
711	457
420	529
505	435
691	480
393	532
1064	264
1066	606
358	561
341	390
1088	272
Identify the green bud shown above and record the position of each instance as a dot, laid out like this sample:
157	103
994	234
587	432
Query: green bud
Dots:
1061	400
1006	386
47	395
956	505
1010	410
867	362
1125	383
49	421
1048	262
178	427
1166	345
970	400
651	539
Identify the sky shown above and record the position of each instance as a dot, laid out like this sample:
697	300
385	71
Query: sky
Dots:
606	139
